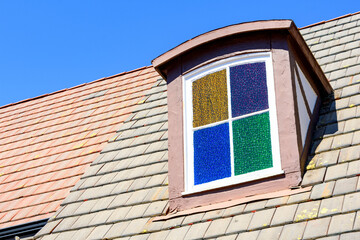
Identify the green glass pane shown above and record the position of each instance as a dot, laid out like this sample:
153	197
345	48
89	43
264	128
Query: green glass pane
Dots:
252	144
210	102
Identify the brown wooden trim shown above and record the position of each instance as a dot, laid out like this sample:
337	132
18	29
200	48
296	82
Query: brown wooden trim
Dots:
232	203
296	106
245	28
220	33
304	67
299	40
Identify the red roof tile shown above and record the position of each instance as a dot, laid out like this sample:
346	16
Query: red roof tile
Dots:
46	143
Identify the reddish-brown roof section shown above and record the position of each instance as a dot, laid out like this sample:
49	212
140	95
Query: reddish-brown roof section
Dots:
46	143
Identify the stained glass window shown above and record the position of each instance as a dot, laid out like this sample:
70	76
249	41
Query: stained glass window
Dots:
230	125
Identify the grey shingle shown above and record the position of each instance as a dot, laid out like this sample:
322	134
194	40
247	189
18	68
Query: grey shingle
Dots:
317	228
341	223
178	233
300	197
88	183
331	206
217	227
351	202
68	210
313	176
306	211
284	214
228	237
270	233
345	185
334	129
276	201
172	223
137	211
261	219
322	190
101	217
83	221
330	238
156	208
356	138
352	71
350	153
50	237
118	214
239	223
354	168
153	226
136	226
322	145
83	233
357	221
327	158
138	237
232	211
214	214
255	206
337	74
197	231
138	183
347	113
193	218
156	180
86	207
342	141
67	235
116	229
156	194
336	172
350	236
352	125
50	225
293	231
248	235
99	232
158	235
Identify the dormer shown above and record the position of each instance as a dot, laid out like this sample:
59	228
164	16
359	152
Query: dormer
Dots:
243	102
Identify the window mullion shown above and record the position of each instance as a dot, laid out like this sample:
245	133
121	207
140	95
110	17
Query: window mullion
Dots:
230	121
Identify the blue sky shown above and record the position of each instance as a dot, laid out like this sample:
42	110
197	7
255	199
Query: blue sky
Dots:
47	46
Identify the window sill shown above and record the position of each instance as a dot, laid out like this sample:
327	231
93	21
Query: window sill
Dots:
253	176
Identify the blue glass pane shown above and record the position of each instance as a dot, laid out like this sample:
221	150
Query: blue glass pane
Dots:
212	154
248	88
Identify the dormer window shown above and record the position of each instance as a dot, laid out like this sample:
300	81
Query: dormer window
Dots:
243	101
231	131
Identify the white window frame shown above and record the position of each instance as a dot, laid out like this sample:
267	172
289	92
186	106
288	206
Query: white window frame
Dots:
190	187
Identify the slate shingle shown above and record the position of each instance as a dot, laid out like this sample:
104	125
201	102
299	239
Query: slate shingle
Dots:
331	206
316	228
293	231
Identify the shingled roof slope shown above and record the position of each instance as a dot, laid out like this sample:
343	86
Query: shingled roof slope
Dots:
126	186
47	143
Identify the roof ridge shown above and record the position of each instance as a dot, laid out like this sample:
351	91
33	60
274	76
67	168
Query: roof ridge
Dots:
77	86
333	19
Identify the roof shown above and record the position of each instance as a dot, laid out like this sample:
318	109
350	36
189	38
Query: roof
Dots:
47	143
124	191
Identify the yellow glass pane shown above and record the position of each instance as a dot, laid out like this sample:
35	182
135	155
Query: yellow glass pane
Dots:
210	101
